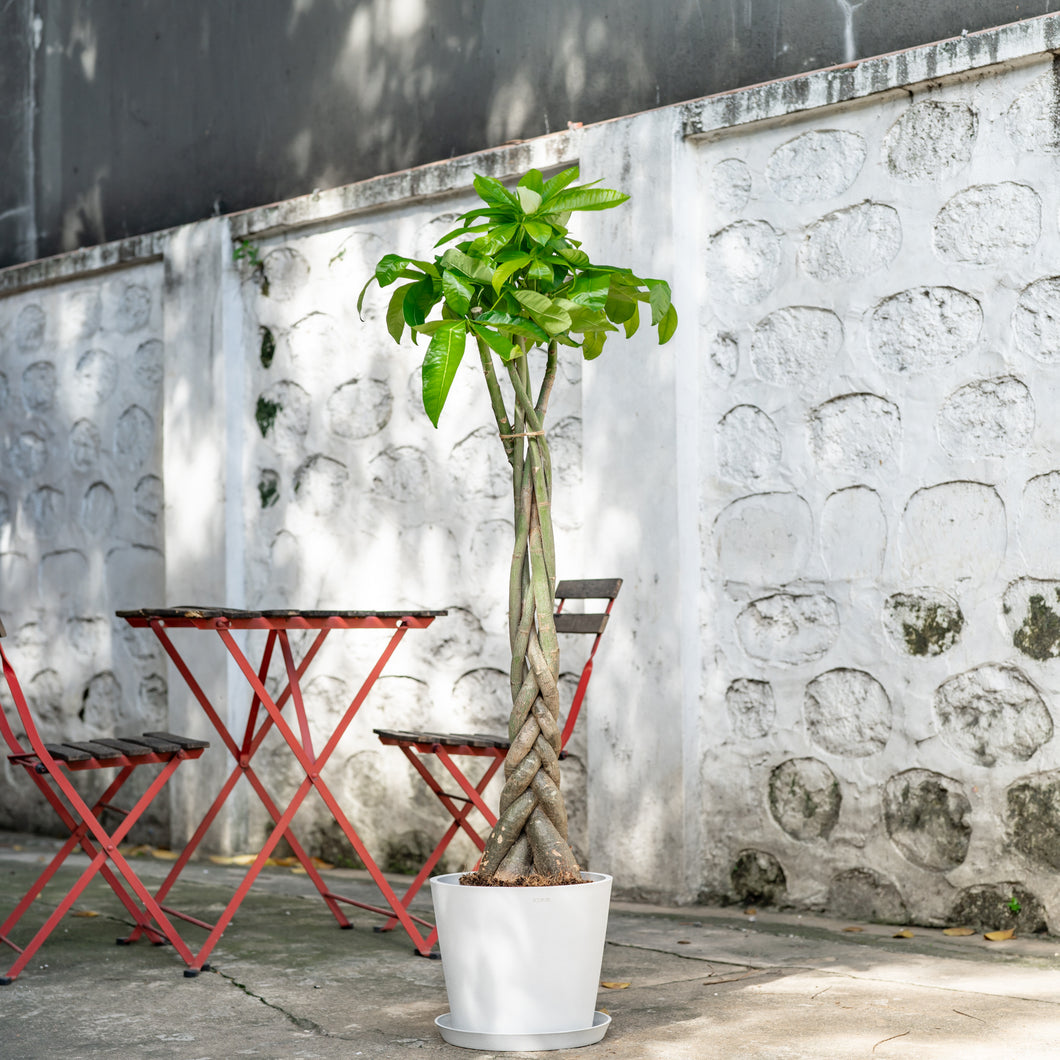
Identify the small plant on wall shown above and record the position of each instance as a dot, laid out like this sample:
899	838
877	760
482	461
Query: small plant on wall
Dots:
517	284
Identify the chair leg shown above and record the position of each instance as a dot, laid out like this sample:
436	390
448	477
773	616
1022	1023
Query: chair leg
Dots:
102	847
458	813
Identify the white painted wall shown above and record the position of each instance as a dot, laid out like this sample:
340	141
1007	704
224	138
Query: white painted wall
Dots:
831	676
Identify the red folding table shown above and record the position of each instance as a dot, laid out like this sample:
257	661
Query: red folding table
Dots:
277	626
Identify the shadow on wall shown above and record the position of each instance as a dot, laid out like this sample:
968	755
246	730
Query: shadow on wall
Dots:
142	124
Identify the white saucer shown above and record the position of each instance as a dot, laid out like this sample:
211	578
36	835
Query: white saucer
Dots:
523	1042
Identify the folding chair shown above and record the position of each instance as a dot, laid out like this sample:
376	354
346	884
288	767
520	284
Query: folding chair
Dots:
420	747
47	764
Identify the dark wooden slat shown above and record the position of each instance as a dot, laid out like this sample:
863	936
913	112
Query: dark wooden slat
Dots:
444	739
63	752
181	741
94	749
153	743
237	613
125	747
3	632
571	622
589	589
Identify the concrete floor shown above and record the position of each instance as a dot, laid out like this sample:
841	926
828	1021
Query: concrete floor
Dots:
703	982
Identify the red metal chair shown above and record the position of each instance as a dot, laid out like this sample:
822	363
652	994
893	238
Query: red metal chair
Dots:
420	747
48	765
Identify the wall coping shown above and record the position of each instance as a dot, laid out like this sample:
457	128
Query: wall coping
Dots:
1014	44
433	180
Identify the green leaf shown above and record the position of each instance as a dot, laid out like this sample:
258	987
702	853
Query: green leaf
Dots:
360	297
544	311
440	363
390	267
585	198
540	272
632	322
578	258
506	268
495	239
395	312
429	327
539	231
497	342
583	318
668	325
559	182
475	268
509	324
590	289
532	179
529	199
621	302
494	192
593	345
419	300
458	292
658	299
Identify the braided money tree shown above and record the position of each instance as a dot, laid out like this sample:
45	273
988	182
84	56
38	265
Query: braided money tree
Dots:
520	287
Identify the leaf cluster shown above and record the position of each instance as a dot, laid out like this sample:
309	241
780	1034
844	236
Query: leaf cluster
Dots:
513	278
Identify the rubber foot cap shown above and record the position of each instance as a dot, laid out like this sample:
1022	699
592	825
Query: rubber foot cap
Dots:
191	973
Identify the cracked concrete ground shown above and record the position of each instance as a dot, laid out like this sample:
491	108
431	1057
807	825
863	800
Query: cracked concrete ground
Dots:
703	982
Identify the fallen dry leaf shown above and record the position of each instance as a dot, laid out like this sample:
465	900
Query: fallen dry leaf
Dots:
164	855
86	913
958	931
905	933
853	928
999	936
615	986
237	859
684	942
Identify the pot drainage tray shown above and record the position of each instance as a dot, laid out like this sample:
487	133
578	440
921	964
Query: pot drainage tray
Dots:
526	1042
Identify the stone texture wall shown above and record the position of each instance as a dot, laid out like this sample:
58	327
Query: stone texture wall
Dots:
81	509
830	680
878	509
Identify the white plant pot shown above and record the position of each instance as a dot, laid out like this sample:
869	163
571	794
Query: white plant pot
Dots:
522	964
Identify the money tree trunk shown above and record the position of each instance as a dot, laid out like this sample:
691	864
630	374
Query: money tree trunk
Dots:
530	837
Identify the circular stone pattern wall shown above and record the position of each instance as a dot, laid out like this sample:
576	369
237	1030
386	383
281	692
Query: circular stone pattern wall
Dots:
788	629
804	798
751	707
990	417
924	328
847	713
1034	818
924	622
992	714
851	243
856	433
988	224
744	260
1036	320
930	139
926	815
816	165
795	346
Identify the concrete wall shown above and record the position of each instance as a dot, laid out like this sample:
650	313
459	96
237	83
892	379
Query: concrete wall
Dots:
122	118
830	680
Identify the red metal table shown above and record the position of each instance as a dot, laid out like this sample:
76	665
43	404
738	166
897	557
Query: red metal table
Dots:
242	747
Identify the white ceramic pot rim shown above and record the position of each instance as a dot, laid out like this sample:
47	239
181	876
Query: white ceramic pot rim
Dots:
452	879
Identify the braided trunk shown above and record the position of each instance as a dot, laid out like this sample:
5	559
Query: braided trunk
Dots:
530	837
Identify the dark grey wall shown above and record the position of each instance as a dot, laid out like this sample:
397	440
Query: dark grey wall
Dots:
119	117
